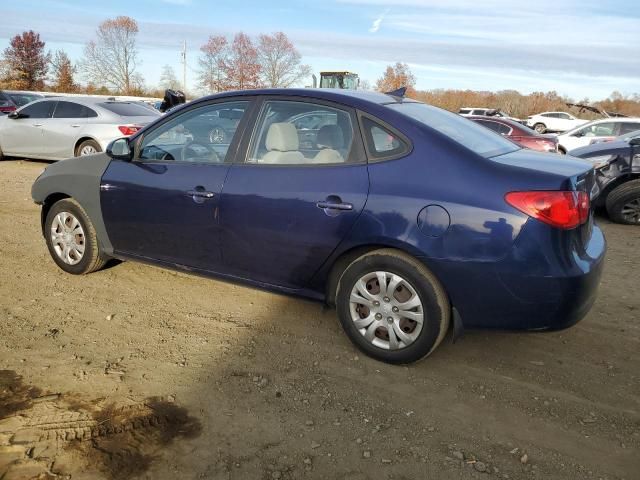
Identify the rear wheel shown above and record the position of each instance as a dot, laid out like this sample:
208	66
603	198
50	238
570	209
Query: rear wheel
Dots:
540	127
623	203
392	307
88	147
71	238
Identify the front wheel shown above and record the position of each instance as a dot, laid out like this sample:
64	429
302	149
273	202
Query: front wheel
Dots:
392	307
623	203
71	238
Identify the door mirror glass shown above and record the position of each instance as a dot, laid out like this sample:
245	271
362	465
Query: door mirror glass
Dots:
119	149
635	142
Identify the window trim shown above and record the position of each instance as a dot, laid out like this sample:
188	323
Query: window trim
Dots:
357	150
373	157
234	146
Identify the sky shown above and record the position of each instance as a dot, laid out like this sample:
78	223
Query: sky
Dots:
579	48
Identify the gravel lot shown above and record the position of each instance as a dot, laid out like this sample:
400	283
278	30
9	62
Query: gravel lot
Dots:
136	371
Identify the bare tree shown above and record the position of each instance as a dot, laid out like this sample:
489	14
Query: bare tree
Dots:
168	78
111	59
280	62
211	76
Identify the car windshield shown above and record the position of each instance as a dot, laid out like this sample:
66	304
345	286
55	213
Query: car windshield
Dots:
21	99
475	137
127	109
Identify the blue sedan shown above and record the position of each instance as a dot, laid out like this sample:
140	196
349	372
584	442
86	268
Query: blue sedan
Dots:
410	220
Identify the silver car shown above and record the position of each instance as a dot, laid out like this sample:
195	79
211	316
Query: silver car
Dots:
62	127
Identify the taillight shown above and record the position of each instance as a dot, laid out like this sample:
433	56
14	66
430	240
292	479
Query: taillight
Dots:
7	109
128	129
564	210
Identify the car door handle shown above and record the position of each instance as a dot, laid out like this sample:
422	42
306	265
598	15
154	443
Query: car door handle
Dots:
75	126
333	205
201	194
37	124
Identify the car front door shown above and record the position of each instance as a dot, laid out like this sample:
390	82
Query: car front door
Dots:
287	205
164	204
23	136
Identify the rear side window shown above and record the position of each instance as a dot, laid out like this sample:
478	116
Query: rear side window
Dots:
628	128
38	110
479	112
459	129
381	143
72	110
495	126
126	109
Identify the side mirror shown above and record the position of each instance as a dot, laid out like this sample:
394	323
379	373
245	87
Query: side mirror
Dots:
119	149
635	142
15	115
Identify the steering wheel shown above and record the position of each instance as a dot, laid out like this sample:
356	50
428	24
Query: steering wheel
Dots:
211	154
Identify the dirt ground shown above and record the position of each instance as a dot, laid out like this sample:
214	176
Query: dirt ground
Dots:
139	372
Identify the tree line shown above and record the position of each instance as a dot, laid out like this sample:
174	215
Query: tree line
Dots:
110	65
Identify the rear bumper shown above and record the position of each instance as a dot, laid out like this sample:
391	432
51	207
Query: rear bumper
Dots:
534	288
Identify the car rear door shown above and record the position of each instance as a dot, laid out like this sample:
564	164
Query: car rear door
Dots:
164	205
66	126
287	205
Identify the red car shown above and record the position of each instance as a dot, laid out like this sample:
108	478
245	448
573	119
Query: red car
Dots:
518	133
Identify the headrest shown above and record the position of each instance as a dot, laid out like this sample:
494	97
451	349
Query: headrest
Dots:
330	136
282	137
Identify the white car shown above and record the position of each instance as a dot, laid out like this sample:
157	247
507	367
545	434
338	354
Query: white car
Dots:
56	128
554	122
488	112
596	131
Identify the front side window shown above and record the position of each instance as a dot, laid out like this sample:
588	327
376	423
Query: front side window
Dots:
598	130
300	133
38	110
564	116
628	127
202	135
469	134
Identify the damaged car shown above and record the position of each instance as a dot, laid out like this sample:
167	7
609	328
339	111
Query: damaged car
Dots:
617	167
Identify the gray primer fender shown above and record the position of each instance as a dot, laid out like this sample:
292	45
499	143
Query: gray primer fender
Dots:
78	178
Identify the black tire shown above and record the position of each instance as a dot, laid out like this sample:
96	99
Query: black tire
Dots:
435	304
540	127
621	202
88	143
92	258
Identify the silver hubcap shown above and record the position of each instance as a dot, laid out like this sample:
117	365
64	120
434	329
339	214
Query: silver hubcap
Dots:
631	211
67	238
216	135
386	310
88	150
539	129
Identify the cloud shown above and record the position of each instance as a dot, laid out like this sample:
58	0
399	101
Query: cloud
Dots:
375	26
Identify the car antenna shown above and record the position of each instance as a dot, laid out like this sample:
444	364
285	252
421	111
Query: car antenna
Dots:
398	93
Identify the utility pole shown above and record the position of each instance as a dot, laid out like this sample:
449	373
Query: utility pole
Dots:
184	66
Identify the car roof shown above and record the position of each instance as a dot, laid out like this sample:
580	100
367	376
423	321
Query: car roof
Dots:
349	97
614	120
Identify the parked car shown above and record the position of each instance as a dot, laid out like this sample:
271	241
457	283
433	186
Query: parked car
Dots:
58	128
617	166
553	122
406	217
603	129
11	100
489	112
516	132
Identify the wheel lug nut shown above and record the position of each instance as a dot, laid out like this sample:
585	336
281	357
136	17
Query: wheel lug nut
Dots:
378	316
395	309
390	319
376	304
386	299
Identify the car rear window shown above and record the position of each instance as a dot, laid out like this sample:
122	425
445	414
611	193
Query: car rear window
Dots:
467	133
125	109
